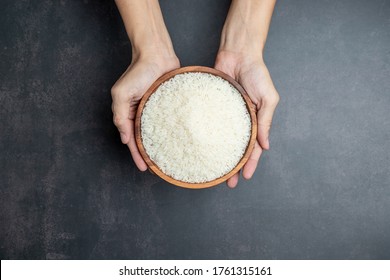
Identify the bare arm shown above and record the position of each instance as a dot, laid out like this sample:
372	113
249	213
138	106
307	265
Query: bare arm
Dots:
246	27
145	27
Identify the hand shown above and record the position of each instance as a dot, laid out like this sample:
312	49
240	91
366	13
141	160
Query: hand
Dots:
252	74
128	91
153	55
240	55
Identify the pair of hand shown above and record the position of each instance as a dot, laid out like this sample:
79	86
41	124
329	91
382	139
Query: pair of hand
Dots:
250	72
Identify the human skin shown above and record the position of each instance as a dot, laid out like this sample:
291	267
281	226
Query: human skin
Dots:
152	56
240	55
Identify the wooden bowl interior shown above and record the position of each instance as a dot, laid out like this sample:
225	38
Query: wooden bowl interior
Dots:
154	168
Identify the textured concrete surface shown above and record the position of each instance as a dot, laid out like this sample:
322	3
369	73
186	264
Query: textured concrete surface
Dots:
69	190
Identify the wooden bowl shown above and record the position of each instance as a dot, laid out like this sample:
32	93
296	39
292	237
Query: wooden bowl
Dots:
154	168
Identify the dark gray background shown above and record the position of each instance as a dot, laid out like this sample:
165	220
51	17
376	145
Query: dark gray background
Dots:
69	189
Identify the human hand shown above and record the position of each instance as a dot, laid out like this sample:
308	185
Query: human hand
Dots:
252	74
240	55
128	91
152	56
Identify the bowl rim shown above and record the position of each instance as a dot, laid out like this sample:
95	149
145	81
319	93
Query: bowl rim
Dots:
154	167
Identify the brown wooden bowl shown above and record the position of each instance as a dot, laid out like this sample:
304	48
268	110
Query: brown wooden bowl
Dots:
154	168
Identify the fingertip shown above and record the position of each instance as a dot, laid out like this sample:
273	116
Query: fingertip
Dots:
143	168
247	175
262	137
249	169
141	164
251	165
265	145
233	181
124	138
137	158
230	184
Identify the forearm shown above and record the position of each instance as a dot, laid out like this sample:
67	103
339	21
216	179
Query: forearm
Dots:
145	27
246	26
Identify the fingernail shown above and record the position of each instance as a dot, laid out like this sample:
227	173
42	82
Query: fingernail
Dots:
123	138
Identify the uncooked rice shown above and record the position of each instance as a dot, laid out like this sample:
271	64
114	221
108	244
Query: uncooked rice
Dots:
195	127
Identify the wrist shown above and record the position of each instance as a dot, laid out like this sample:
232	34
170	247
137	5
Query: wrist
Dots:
239	38
152	40
237	62
246	27
146	29
153	48
241	45
152	43
162	58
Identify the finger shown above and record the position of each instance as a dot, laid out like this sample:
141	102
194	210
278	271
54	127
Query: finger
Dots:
139	162
264	118
233	181
251	164
121	110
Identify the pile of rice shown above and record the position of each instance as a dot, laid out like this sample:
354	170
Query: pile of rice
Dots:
195	127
